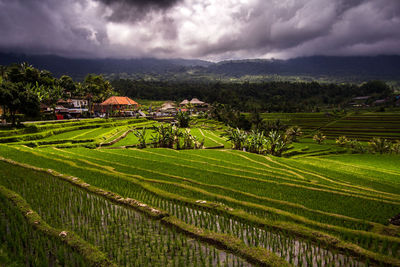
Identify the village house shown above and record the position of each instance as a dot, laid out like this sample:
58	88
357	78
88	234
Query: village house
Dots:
359	101
119	105
79	103
69	108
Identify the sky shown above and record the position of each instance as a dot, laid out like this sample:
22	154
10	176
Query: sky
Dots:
203	29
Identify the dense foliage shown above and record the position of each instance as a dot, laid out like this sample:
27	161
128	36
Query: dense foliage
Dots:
266	96
24	88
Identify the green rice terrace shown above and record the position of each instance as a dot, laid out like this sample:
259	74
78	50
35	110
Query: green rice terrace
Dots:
112	192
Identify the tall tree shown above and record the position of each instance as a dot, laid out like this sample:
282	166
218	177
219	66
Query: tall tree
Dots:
15	97
97	89
67	84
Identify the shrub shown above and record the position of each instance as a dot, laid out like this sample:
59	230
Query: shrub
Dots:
91	146
396	147
277	144
236	137
342	141
163	136
357	147
141	135
183	119
169	136
32	128
255	142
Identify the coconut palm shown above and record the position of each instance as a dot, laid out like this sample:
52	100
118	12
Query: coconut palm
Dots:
277	144
379	145
319	137
294	132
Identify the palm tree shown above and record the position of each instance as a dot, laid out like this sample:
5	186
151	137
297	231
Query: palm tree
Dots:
277	144
294	132
255	142
379	145
319	137
141	135
237	138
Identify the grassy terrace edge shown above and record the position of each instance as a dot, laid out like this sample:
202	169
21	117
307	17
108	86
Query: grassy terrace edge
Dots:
94	256
259	256
300	231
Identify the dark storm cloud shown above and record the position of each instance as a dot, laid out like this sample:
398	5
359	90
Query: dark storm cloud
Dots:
50	27
133	10
209	29
361	27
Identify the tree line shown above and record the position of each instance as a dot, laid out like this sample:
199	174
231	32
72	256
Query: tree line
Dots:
263	96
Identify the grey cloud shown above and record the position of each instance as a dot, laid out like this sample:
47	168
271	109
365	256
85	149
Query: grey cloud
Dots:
134	10
48	27
150	28
364	27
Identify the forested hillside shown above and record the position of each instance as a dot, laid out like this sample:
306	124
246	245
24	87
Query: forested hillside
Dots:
267	96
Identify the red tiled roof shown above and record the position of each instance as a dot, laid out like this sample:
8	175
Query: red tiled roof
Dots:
119	100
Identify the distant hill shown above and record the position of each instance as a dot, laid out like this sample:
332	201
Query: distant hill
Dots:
345	68
378	67
78	68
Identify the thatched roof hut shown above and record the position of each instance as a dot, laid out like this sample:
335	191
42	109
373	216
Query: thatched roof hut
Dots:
195	101
168	106
184	102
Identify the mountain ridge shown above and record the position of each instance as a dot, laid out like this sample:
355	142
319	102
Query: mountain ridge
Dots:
383	67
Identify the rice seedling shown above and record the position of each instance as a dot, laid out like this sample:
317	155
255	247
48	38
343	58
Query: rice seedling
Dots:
28	240
126	236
